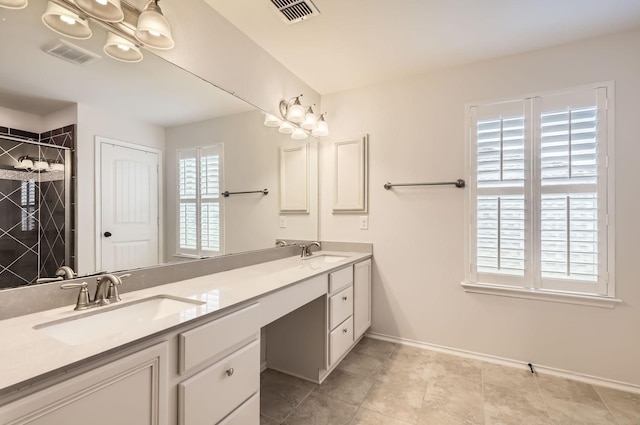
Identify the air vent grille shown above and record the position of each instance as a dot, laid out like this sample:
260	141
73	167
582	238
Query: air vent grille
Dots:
70	52
293	11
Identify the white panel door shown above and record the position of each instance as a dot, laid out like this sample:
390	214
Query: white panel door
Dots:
129	203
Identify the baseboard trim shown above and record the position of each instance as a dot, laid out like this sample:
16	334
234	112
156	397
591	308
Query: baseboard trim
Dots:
593	380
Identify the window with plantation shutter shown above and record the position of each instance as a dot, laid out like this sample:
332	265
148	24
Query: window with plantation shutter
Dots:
200	213
540	207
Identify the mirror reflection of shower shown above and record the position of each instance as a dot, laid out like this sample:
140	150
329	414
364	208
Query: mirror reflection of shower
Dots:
35	186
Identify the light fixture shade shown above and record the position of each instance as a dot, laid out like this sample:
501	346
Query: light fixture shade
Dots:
296	111
121	49
65	22
299	134
14	4
153	28
310	120
286	128
271	121
106	10
322	129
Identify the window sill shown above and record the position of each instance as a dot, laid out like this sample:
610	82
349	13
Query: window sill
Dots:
533	294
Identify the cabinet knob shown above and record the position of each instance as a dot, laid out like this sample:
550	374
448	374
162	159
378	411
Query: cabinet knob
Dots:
344	331
344	298
230	371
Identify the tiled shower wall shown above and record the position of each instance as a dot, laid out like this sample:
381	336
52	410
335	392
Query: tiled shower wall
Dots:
35	207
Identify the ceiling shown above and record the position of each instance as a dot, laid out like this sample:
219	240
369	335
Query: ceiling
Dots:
152	91
356	43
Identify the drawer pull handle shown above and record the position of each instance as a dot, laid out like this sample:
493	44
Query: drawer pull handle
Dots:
344	331
344	298
230	371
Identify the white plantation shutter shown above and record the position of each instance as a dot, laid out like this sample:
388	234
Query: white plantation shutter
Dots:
538	192
199	208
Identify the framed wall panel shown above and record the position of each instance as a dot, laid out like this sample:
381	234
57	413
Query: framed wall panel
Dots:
351	175
294	179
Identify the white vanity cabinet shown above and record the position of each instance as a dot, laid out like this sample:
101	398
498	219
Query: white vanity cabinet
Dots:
311	341
129	390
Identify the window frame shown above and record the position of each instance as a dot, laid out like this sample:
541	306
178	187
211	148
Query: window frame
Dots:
199	252
532	284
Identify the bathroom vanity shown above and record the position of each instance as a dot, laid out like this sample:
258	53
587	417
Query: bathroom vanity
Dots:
195	356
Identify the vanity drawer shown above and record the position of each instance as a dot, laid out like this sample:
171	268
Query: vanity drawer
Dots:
247	414
208	341
340	339
212	394
340	307
340	279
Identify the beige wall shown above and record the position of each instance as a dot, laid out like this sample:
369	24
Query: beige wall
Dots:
417	133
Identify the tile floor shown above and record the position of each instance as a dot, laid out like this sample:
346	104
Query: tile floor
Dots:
381	383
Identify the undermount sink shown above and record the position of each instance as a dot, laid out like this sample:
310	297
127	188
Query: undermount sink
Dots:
324	258
102	322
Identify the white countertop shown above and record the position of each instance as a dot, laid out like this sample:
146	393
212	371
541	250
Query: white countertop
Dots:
27	353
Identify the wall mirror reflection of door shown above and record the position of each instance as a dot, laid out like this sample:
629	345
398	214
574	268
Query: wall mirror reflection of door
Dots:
128	193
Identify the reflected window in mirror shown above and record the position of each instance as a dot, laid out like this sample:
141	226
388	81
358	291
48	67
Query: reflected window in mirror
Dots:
200	207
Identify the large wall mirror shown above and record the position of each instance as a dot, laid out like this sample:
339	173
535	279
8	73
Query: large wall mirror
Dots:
155	148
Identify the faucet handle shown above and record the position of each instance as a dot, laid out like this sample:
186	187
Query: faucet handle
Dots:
123	276
83	301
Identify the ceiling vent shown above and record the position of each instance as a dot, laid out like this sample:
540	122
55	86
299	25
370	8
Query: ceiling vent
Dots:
293	11
70	52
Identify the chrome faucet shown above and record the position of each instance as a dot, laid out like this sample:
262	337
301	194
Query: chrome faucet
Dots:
106	291
306	249
281	243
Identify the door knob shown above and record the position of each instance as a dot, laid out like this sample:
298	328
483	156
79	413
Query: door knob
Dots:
107	234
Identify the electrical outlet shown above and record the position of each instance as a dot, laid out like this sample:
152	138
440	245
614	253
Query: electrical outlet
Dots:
283	222
364	222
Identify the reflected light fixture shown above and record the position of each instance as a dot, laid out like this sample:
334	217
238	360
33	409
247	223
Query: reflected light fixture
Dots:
322	129
105	10
297	120
299	134
65	22
153	28
119	48
271	121
13	4
57	166
40	165
24	163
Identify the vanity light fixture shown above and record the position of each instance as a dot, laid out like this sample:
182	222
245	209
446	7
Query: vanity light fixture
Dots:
297	120
106	10
13	4
119	48
66	22
40	165
271	121
57	166
24	163
153	28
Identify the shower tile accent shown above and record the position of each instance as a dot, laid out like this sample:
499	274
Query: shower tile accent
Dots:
33	217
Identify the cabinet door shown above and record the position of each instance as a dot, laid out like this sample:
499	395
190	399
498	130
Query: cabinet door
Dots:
131	390
361	298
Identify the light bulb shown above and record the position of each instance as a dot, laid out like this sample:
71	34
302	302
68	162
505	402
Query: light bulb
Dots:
296	111
123	47
67	20
102	2
310	120
322	129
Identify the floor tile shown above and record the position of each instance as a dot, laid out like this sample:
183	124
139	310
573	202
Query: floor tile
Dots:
414	355
624	406
271	375
445	364
506	406
367	417
375	347
279	396
361	364
399	400
395	369
453	399
568	390
345	386
268	421
519	379
563	412
319	410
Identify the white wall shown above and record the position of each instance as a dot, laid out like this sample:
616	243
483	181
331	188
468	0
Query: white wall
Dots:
20	120
60	118
93	122
251	162
417	133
